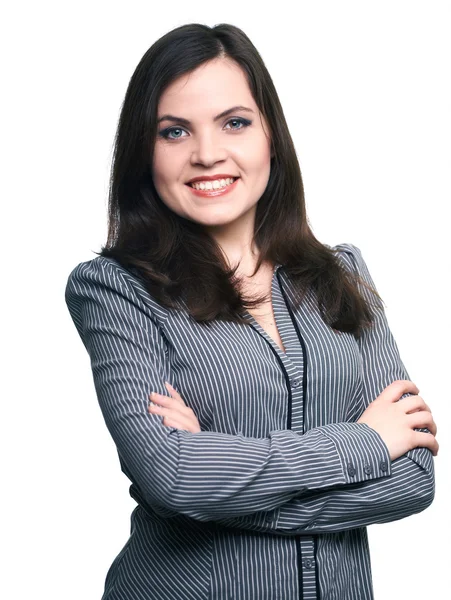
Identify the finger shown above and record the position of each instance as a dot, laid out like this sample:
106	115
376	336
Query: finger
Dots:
424	407
168	422
174	393
412	403
426	440
181	424
160	399
165	400
172	404
395	390
185	426
160	410
186	420
422	418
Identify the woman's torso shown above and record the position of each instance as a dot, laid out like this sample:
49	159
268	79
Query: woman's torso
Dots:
244	380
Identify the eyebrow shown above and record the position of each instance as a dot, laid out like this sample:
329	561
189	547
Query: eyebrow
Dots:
220	116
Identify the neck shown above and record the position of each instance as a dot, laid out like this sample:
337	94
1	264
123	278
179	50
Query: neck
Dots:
236	242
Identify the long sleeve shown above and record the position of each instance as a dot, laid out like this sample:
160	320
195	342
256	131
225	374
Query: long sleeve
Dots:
207	475
410	486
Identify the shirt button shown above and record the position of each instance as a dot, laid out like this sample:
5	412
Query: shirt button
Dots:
368	469
269	517
313	524
295	383
308	564
383	465
351	469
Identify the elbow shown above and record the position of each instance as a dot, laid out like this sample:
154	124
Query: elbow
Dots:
424	493
167	487
161	499
168	504
419	478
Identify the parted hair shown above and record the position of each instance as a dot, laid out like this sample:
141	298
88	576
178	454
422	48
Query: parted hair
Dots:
179	263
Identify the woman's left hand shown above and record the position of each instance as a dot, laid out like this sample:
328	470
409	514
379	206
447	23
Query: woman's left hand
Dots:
174	410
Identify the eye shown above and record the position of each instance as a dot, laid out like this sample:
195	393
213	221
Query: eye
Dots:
166	133
243	122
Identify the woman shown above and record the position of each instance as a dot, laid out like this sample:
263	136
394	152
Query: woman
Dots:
291	423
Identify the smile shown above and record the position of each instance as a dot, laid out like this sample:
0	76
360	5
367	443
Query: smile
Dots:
219	187
212	185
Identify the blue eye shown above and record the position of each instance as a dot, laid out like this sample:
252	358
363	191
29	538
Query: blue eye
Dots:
244	123
165	133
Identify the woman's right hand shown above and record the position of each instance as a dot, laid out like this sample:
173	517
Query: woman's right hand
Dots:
395	420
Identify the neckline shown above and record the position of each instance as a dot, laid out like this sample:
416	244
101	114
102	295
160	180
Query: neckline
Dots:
261	330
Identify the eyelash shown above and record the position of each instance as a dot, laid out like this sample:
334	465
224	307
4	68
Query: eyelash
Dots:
165	132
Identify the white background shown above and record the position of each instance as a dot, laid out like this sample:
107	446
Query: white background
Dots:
365	88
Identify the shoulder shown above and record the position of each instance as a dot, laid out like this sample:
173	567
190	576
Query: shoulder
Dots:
95	274
351	258
348	254
95	270
100	277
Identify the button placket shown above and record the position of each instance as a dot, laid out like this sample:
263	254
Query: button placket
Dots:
309	566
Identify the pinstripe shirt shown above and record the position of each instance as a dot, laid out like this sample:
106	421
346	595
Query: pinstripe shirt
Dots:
272	498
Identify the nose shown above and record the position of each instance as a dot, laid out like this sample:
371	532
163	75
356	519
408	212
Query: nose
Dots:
208	150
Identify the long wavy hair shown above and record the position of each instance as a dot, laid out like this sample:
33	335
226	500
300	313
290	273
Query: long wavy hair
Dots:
179	263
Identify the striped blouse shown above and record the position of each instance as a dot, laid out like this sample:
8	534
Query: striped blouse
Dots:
271	499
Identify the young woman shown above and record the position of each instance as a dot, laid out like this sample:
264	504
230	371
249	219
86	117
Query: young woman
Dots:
283	421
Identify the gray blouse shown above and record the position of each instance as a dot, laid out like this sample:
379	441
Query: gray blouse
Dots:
272	498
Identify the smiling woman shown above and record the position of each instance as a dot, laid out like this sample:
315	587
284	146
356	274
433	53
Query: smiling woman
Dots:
211	146
282	420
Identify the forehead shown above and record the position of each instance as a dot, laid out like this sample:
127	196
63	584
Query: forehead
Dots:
215	85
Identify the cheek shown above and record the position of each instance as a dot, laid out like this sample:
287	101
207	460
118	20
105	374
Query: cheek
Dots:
164	167
257	154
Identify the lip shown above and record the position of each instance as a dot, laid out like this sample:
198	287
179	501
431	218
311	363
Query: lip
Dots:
211	177
213	193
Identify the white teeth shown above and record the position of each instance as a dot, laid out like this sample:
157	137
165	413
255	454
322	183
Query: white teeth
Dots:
212	185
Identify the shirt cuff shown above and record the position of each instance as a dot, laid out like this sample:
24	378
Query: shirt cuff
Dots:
363	453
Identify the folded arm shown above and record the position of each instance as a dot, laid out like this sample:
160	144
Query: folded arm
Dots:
409	487
205	475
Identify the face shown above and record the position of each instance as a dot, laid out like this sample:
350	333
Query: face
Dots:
234	145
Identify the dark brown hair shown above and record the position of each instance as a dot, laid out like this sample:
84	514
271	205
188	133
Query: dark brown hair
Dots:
176	258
